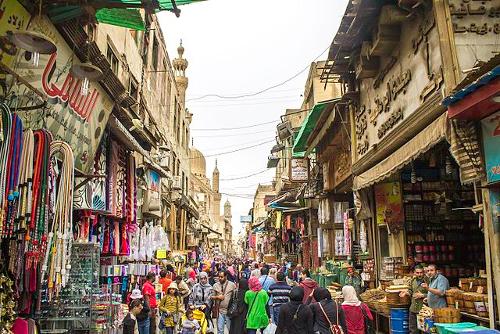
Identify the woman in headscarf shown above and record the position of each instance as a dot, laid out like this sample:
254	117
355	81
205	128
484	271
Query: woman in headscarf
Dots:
295	317
355	311
258	311
200	295
325	312
238	324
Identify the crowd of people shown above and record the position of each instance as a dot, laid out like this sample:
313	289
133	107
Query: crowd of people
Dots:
239	297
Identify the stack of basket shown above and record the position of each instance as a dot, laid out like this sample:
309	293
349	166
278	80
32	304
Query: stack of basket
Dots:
447	315
475	303
454	298
394	299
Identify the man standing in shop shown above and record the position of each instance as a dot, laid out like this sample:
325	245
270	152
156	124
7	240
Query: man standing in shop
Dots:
223	290
436	289
417	294
148	290
353	279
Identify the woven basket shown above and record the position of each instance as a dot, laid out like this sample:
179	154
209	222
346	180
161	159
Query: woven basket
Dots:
483	314
393	299
447	315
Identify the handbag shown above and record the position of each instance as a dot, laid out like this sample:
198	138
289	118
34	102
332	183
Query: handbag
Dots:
232	308
368	323
334	328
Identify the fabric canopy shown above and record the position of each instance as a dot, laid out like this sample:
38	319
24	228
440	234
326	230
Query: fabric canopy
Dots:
416	146
121	13
300	143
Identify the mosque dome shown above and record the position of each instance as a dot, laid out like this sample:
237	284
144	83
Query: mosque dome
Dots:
198	163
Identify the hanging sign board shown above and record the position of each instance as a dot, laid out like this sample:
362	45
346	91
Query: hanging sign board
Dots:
70	116
152	201
299	170
13	17
245	219
389	204
491	140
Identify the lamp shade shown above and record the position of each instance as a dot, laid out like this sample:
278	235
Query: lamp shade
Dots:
33	41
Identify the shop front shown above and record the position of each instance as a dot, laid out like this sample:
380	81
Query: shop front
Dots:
474	108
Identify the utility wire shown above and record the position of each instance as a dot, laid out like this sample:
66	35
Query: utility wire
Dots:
235	128
236	150
246	176
233	145
235	134
265	89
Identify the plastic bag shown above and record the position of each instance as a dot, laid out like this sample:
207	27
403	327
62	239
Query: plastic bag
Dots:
270	329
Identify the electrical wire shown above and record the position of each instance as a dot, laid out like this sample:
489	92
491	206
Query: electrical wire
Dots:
265	89
238	144
233	151
246	176
234	134
236	128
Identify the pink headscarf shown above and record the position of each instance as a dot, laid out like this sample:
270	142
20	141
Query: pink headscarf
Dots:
254	284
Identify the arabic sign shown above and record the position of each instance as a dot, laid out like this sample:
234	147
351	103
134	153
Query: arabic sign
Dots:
402	84
389	204
475	23
70	116
491	140
13	17
299	170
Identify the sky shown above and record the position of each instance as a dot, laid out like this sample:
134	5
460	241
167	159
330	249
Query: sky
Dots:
239	47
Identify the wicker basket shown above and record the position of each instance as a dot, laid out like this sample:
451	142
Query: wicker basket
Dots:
393	299
483	314
447	315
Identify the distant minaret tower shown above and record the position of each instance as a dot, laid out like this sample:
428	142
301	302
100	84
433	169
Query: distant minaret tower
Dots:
215	178
227	210
180	66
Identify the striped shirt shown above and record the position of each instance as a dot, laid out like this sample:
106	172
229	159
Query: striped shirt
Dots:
279	293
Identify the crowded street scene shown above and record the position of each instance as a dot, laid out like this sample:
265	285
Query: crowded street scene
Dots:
250	166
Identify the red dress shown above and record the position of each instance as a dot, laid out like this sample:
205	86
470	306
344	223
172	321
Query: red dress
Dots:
354	318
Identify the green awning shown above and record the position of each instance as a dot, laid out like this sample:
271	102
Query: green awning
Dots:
122	17
300	143
121	13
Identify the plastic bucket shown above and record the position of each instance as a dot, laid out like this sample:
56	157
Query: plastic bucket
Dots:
399	320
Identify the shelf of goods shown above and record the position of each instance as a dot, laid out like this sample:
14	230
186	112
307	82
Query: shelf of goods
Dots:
78	306
438	234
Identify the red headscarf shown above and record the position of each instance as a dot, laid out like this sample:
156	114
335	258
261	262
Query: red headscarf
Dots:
254	284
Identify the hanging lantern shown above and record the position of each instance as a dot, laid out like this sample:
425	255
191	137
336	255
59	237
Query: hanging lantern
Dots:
86	72
34	43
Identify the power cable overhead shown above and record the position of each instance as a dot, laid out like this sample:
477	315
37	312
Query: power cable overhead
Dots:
236	150
246	176
236	128
265	89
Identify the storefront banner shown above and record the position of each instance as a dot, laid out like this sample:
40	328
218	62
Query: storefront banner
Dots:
70	116
389	204
152	200
491	140
13	17
299	170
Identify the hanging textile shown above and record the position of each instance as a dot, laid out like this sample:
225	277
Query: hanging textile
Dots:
112	182
347	235
279	215
465	149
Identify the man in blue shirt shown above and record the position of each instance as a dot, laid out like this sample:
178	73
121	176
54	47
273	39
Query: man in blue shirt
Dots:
265	280
436	288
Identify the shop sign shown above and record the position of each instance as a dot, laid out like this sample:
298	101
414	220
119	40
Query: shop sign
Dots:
152	201
69	116
13	17
491	140
389	204
245	219
401	86
299	170
341	158
475	23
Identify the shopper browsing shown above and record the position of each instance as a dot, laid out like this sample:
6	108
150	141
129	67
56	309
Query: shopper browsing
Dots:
436	289
143	316
130	322
280	294
355	311
149	292
171	309
223	290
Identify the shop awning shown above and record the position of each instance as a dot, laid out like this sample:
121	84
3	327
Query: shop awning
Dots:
416	146
122	13
323	129
300	143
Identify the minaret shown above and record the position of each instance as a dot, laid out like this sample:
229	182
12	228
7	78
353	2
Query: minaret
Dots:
215	178
227	210
180	65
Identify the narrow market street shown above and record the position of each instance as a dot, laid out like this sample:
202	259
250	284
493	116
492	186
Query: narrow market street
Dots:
244	167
